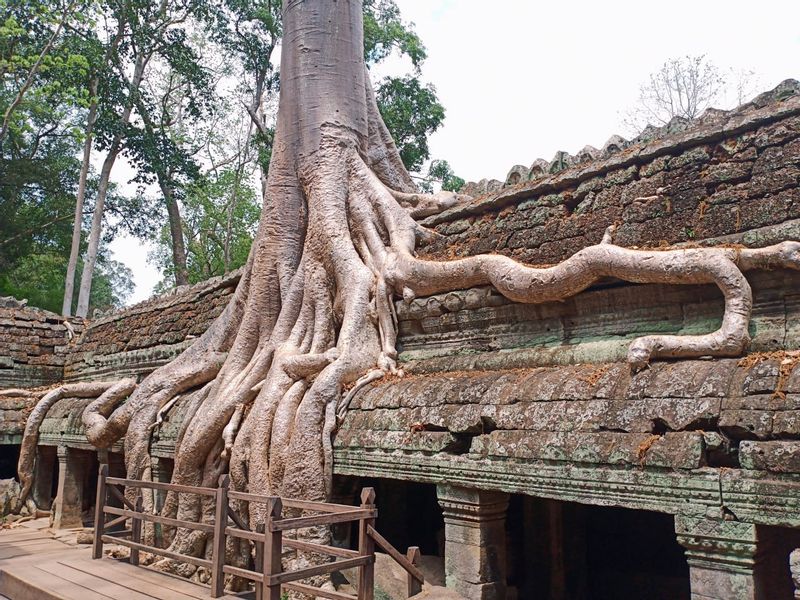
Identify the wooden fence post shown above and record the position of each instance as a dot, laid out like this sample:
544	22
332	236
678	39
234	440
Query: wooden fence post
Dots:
366	547
273	549
259	562
99	515
414	586
218	547
136	531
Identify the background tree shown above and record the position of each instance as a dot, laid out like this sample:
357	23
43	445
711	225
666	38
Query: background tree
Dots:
685	87
441	173
43	69
151	30
218	231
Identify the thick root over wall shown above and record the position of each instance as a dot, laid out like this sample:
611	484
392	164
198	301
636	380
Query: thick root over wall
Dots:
314	311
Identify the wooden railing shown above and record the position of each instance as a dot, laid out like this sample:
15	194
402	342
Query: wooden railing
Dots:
268	573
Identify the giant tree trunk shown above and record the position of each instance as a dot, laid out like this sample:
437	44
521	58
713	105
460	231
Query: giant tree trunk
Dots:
314	310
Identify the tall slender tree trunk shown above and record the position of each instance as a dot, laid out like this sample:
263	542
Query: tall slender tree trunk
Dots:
176	232
75	248
90	260
102	190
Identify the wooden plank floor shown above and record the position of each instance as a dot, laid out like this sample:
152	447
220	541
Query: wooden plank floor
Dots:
34	565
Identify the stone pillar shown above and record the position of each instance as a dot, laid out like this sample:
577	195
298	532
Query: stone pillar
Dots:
43	477
475	541
72	472
727	559
794	567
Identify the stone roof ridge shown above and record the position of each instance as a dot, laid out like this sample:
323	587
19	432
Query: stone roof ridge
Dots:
176	295
36	313
619	152
616	143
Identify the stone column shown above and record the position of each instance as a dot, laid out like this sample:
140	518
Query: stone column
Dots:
794	567
727	559
475	541
72	466
43	477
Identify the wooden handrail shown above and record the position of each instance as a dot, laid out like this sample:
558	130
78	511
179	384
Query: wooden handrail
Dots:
157	485
391	551
123	512
329	519
192	560
320	548
268	573
323	507
323	569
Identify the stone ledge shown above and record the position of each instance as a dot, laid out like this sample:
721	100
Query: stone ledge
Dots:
748	495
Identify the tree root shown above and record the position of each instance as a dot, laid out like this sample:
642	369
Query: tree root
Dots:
95	416
30	437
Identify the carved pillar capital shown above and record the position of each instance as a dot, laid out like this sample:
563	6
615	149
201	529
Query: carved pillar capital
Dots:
469	505
722	545
726	558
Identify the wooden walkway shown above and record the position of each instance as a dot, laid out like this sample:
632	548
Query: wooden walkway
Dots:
35	565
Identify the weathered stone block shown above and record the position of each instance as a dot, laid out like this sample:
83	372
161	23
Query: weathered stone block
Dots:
774	456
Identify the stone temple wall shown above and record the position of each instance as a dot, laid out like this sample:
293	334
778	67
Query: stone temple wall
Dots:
733	176
139	339
34	345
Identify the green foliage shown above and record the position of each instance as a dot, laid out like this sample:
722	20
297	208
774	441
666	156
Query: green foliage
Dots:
412	112
40	279
220	216
77	53
42	66
44	93
384	31
440	171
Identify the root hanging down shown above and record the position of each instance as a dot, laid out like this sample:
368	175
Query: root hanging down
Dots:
30	437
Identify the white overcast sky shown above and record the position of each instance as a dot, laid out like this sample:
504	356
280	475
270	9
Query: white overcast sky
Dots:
521	80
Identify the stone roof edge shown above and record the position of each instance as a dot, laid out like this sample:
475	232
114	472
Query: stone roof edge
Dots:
768	107
43	315
171	298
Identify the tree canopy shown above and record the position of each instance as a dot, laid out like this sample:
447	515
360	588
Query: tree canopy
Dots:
186	91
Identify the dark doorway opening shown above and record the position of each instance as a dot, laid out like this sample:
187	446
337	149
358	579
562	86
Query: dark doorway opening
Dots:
9	456
408	512
570	551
